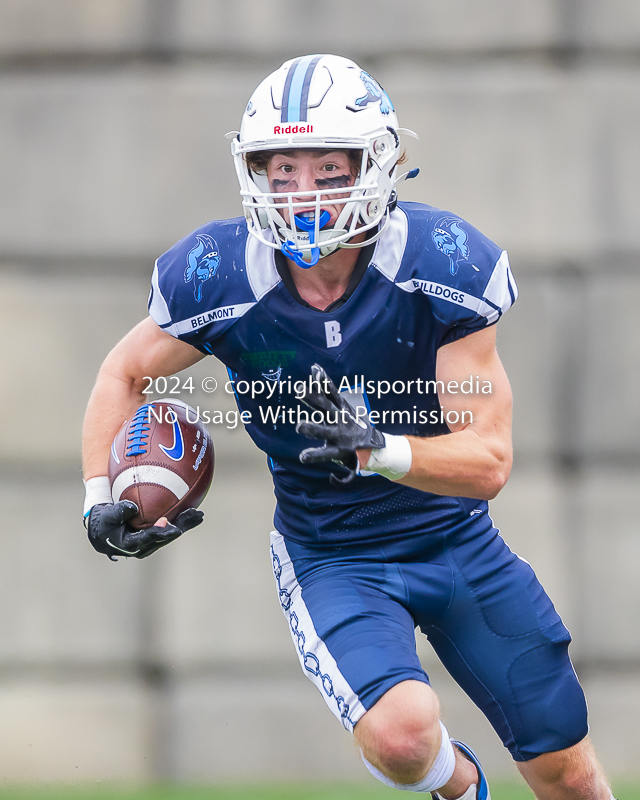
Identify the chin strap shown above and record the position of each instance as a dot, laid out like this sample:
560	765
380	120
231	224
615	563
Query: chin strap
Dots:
308	225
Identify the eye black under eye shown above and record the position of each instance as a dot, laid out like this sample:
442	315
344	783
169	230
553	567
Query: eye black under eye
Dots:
334	182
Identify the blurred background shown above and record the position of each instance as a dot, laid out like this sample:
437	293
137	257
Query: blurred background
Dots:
112	122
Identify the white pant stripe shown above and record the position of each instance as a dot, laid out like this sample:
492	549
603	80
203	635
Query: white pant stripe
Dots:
315	659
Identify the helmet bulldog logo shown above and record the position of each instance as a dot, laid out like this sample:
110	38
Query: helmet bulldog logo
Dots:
375	94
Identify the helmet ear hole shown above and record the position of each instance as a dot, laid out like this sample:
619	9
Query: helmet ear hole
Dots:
372	210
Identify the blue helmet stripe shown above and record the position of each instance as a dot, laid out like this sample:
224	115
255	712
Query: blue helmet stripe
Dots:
284	111
295	92
296	89
305	88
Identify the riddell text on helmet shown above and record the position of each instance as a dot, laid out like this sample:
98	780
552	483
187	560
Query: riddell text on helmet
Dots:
293	129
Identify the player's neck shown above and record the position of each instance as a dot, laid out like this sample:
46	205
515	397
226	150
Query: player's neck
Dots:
327	281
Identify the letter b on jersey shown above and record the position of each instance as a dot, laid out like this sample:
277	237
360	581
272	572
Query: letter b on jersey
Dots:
332	330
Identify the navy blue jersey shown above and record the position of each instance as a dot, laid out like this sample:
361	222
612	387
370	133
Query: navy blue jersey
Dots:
432	279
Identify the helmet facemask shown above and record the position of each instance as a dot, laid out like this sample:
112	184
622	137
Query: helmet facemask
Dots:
303	238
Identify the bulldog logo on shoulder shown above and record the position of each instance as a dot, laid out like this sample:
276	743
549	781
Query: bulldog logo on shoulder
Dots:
450	239
203	261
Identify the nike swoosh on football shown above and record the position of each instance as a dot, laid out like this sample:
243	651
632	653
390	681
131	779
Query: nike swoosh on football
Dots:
176	451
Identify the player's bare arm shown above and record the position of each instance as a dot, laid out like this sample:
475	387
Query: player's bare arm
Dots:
145	351
475	459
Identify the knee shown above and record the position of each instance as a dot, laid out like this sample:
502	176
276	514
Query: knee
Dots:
579	782
407	746
400	735
571	777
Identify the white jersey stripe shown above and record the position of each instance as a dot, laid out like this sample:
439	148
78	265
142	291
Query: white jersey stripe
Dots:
261	267
497	291
158	308
512	284
315	659
451	295
221	314
391	245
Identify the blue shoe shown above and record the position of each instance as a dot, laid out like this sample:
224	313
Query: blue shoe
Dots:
482	787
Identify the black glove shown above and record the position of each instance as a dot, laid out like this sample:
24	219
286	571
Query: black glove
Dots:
342	432
108	532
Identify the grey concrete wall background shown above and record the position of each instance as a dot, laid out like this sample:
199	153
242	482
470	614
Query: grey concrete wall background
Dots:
112	118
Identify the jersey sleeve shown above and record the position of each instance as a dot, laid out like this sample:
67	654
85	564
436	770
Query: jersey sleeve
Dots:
477	312
199	287
465	275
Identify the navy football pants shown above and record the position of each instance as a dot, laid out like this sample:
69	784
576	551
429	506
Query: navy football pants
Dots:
352	613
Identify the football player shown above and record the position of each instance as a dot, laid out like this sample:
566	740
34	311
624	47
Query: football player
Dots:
378	312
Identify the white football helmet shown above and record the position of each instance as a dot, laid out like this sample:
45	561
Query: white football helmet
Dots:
326	102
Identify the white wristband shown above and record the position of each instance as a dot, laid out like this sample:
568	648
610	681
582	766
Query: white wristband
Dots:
97	490
393	461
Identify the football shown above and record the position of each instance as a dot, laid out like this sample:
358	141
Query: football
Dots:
162	459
